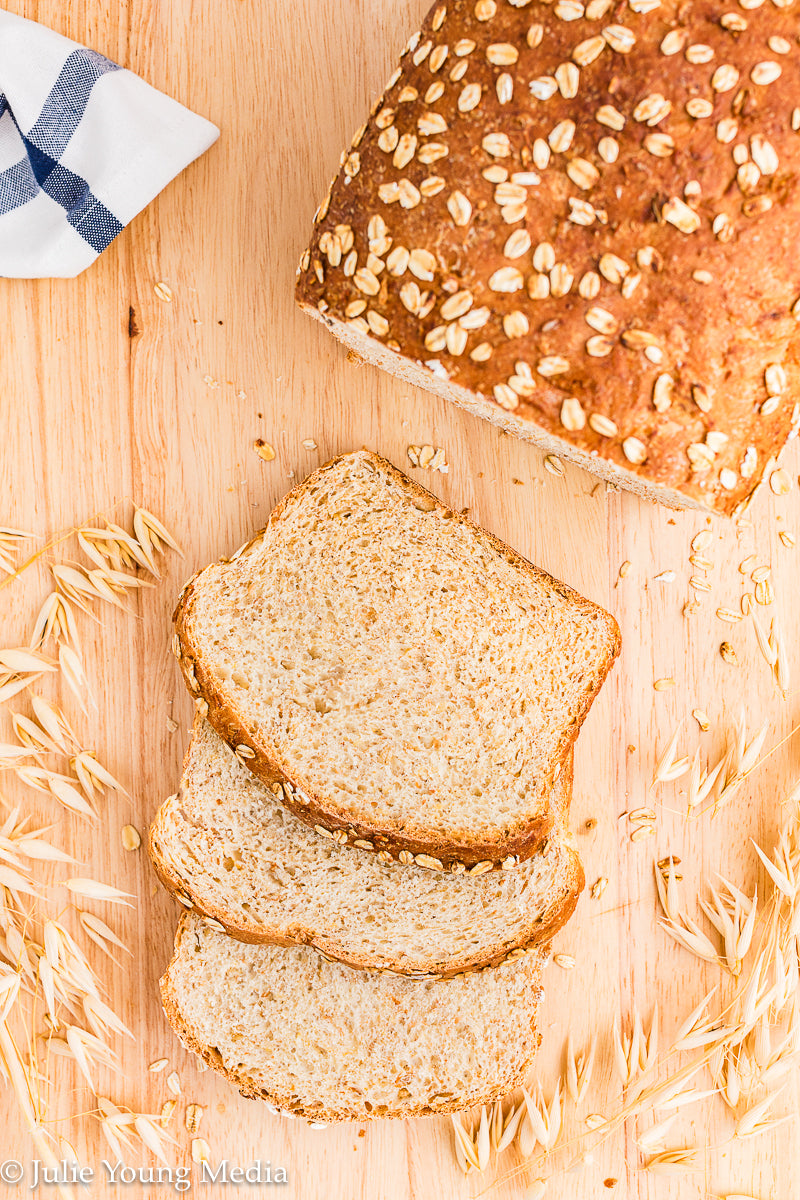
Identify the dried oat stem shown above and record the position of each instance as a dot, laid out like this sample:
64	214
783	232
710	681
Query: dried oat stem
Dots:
37	554
714	805
765	993
51	999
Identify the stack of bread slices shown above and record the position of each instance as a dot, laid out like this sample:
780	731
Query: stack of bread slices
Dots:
371	833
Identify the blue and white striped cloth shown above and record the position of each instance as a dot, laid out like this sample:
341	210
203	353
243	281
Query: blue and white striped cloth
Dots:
84	147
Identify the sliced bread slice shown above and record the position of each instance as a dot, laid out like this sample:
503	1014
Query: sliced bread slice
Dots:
228	846
331	1043
416	681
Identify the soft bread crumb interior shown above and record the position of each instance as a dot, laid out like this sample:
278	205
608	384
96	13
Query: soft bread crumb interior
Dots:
394	660
349	1044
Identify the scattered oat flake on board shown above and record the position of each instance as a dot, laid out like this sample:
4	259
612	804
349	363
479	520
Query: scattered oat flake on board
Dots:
131	838
598	887
210	381
780	482
554	465
728	653
174	1083
164	292
167	1110
158	1064
728	614
194	1115
702	540
565	961
201	1151
702	719
263	450
664	577
624	568
309	444
664	684
429	458
642	831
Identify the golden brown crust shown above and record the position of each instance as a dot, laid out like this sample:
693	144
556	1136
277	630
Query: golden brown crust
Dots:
285	1103
302	798
697	205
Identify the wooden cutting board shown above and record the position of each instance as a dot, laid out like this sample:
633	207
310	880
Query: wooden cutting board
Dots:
109	394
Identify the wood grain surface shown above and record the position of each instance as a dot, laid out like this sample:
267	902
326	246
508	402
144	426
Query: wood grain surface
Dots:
109	395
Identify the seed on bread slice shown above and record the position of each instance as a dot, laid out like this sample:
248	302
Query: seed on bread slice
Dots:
226	843
416	681
331	1043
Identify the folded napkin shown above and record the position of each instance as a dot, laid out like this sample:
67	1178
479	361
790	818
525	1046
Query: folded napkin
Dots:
84	147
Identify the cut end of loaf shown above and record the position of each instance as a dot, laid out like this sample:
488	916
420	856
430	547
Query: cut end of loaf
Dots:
370	349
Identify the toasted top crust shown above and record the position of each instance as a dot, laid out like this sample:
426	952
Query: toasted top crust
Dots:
583	214
415	680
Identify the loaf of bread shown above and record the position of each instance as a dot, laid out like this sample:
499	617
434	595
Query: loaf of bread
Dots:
331	1043
415	681
227	846
578	220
